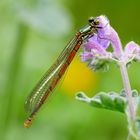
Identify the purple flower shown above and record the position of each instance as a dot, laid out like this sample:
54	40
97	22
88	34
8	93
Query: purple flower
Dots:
97	54
86	55
132	51
108	33
95	49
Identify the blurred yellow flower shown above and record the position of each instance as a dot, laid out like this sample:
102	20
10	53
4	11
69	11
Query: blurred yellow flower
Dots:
79	78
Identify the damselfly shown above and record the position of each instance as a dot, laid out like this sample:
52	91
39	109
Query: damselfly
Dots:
43	89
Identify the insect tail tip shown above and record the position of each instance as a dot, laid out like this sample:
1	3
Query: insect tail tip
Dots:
28	123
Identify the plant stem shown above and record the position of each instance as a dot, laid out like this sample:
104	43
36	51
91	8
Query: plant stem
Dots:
12	77
116	43
130	137
128	90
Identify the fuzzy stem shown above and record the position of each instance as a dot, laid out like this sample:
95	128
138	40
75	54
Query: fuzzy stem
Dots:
128	90
116	43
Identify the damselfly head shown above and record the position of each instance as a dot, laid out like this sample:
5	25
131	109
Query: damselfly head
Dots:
93	21
98	22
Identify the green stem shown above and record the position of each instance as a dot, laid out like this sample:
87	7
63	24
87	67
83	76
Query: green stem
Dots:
130	137
12	76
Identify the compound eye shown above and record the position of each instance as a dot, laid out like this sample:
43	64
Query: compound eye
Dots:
96	22
91	20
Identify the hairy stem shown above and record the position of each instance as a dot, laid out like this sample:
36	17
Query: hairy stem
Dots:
116	43
128	90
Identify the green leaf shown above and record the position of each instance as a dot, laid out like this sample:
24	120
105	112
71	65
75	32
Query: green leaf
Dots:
96	104
107	100
135	93
110	101
120	104
82	97
117	102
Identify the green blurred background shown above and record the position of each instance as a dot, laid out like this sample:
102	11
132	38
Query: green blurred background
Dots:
32	34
